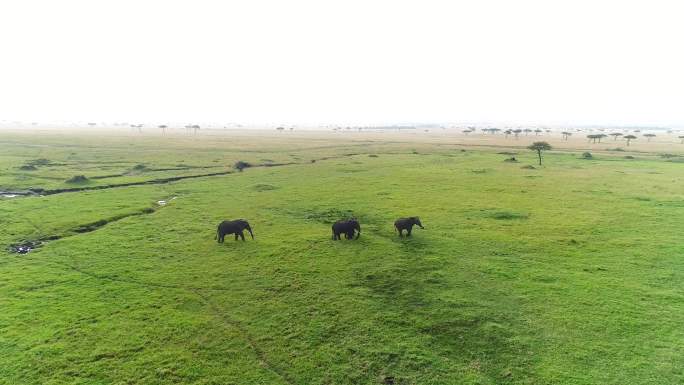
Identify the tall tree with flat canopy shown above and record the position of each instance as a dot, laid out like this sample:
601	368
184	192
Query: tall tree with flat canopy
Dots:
649	136
629	138
615	135
682	138
539	147
566	134
516	133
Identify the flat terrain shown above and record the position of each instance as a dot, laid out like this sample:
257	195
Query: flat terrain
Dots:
569	273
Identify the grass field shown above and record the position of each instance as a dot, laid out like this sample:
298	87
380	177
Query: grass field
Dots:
569	273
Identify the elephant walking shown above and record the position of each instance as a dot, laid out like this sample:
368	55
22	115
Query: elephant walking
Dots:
236	227
346	227
402	224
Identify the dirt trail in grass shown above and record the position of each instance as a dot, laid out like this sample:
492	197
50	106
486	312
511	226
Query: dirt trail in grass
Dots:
261	355
225	319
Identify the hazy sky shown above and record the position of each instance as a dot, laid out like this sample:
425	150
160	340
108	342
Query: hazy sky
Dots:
356	62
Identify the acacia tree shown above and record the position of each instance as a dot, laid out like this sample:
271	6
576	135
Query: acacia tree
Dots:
566	134
682	138
527	131
537	132
539	147
629	138
649	136
507	132
163	128
615	135
517	133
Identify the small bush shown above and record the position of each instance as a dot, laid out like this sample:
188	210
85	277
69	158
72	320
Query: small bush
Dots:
668	156
39	162
629	157
28	167
619	149
372	156
511	160
507	215
587	155
140	167
528	167
241	165
264	187
328	216
78	179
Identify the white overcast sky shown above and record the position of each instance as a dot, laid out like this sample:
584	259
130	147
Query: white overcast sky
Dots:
343	62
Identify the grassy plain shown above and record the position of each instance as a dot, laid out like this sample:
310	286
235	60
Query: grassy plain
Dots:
570	273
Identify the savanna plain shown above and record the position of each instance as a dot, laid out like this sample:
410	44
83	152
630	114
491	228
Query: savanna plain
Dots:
567	273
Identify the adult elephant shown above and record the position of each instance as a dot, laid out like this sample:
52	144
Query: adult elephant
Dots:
407	224
236	227
346	227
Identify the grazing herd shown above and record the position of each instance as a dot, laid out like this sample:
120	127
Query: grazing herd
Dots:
348	227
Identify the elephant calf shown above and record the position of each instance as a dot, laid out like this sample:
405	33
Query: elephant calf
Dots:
233	227
402	224
346	227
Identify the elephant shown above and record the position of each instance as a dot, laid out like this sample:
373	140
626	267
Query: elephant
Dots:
346	227
402	224
233	227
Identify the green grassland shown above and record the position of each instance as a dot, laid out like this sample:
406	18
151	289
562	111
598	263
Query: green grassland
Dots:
570	273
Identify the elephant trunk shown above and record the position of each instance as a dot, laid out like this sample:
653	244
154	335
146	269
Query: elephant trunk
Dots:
250	231
358	234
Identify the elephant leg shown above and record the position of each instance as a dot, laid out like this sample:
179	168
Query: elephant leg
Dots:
242	235
408	232
236	236
401	233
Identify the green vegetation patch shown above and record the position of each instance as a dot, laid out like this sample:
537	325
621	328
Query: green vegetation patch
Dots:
264	187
